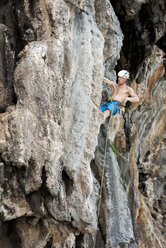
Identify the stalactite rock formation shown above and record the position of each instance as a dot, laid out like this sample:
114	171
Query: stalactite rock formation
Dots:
53	57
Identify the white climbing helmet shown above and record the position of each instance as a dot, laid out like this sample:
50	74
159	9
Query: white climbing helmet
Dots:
123	74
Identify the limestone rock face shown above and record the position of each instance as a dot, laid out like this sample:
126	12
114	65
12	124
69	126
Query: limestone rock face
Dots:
53	57
6	61
117	221
148	125
50	135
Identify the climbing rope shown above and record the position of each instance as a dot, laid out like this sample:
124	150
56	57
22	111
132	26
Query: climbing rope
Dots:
104	164
108	98
103	170
102	181
96	104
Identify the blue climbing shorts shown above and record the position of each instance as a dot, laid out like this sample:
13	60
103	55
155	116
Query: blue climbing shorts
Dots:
113	106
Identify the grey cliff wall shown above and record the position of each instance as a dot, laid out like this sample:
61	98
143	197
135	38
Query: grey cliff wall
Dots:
53	57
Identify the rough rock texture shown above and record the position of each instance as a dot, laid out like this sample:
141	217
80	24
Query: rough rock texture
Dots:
7	68
117	221
148	146
49	137
53	57
143	24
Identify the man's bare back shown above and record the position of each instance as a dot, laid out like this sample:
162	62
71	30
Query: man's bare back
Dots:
121	94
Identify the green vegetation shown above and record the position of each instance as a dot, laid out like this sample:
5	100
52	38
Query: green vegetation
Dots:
147	236
123	176
115	151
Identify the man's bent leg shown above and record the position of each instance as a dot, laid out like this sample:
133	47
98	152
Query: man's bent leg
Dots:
106	114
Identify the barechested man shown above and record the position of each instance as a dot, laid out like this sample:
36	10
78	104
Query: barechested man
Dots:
121	94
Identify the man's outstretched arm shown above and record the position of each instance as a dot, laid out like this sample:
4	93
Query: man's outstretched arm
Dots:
109	83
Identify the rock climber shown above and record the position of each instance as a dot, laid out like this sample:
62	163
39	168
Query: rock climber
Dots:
121	94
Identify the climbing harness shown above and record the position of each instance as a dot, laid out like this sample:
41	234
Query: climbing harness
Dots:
102	180
121	109
114	107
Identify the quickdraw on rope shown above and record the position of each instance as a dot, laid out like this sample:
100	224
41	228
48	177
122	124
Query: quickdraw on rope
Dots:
102	180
